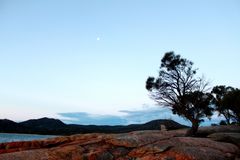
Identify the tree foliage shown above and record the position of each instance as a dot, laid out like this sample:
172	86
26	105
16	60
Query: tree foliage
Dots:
227	102
178	88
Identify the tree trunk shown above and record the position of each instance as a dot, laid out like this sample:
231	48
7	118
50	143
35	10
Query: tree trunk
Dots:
227	117
193	130
227	120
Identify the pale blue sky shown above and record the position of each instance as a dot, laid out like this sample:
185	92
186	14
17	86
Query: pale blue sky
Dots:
93	57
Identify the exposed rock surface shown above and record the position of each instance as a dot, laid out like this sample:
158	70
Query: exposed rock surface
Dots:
138	145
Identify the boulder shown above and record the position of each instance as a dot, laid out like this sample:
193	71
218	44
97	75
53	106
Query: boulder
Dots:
226	137
188	147
205	131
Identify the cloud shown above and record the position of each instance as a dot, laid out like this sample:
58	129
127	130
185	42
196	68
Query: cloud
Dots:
147	114
86	118
215	119
126	117
129	117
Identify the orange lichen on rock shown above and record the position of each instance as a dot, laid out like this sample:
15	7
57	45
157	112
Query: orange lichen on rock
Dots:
142	145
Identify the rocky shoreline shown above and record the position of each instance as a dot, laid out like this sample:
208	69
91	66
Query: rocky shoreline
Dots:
212	143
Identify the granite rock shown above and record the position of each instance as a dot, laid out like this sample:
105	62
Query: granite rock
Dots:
138	145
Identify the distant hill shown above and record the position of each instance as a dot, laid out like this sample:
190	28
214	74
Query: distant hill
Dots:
43	123
11	126
56	127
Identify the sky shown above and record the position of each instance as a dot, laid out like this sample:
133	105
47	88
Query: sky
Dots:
87	62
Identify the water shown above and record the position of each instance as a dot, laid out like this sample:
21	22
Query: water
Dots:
12	137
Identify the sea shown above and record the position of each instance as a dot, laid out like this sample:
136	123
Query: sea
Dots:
13	137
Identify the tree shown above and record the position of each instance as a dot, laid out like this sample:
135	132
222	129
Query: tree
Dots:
232	101
219	92
222	122
178	88
227	102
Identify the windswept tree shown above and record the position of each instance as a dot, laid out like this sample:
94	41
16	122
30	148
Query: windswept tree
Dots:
227	102
178	88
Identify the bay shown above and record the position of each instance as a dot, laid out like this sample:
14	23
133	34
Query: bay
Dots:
14	137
